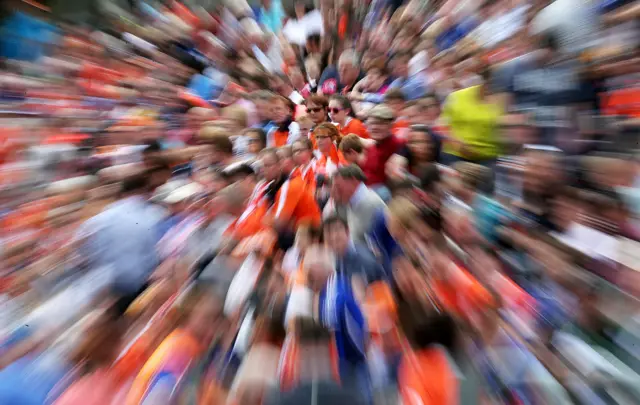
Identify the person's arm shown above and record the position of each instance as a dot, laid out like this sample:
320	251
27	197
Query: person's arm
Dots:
379	98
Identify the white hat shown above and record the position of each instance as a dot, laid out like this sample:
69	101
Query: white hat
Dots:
164	191
184	193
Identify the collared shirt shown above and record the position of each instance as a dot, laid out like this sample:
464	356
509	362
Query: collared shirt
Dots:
358	195
124	236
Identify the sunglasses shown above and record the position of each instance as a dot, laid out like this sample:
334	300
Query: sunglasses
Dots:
335	110
322	136
315	110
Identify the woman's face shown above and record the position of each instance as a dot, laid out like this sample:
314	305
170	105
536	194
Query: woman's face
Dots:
337	111
323	140
420	145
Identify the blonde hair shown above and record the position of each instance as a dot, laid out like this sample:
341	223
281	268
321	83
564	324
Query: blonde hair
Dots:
304	118
236	114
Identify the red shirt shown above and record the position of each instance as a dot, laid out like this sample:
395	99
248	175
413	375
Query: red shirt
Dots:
377	156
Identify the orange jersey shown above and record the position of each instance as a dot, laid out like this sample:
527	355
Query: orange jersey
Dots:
426	378
280	138
250	222
354	126
296	204
328	164
174	356
308	175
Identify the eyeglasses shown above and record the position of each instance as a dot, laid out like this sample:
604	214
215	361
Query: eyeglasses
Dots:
315	110
335	110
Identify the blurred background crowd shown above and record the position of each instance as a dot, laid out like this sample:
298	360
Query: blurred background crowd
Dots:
319	202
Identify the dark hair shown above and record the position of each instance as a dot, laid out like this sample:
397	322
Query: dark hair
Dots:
549	41
352	172
345	104
135	184
423	328
311	332
317	99
222	144
429	176
151	146
243	170
335	219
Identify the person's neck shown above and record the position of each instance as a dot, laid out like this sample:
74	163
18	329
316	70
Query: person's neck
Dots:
326	152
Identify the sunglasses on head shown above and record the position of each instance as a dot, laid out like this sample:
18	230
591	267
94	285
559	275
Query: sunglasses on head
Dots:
315	110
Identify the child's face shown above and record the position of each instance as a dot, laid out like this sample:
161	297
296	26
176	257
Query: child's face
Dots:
305	126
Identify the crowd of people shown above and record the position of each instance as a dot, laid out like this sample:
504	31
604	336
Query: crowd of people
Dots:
346	202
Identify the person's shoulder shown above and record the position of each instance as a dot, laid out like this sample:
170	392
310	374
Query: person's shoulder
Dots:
363	252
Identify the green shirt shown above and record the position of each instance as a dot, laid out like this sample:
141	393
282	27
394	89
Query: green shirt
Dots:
473	122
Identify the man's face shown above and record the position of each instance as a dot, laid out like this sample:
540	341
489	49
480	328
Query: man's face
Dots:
348	73
336	236
342	189
378	129
271	168
264	109
280	112
317	113
337	111
301	154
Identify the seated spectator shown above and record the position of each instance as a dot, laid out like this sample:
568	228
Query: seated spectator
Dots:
305	163
395	100
426	374
287	130
326	136
354	260
352	149
351	198
256	142
343	117
341	80
379	123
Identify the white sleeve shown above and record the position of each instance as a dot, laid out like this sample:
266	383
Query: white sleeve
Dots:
294	133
